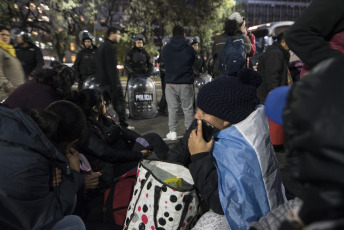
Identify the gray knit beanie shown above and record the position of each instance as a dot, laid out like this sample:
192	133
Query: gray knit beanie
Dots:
231	98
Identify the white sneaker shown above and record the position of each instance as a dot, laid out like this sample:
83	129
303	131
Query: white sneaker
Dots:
131	127
172	136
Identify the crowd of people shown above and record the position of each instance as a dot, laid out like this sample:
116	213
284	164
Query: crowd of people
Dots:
61	151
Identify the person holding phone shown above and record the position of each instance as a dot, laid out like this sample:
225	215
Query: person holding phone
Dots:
239	155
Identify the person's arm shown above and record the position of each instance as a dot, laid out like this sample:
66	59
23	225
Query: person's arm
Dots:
96	146
180	151
272	69
39	60
309	37
111	65
5	84
253	44
203	169
247	45
149	64
76	67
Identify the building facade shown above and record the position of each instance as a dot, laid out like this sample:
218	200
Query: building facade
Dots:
264	11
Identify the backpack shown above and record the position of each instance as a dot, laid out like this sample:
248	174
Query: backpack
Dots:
117	198
233	56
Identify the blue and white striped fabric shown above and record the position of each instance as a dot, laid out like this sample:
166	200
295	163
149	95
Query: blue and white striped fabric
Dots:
249	178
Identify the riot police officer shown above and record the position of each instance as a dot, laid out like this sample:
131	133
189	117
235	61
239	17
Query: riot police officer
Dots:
137	60
85	62
199	66
29	54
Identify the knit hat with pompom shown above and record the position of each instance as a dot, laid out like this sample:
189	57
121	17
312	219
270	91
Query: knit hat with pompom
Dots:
231	98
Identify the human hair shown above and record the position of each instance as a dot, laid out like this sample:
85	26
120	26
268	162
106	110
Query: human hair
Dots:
231	27
61	78
111	30
89	98
178	30
47	121
71	121
2	27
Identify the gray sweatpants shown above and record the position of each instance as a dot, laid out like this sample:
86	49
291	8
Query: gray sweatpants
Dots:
175	94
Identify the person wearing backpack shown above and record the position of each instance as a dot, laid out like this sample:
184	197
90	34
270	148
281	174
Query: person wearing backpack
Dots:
235	29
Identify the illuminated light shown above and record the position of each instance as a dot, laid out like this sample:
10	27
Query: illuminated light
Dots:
253	28
120	67
268	24
100	39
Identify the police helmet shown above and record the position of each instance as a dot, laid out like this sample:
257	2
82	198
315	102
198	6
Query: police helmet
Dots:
24	34
139	37
194	40
84	35
165	41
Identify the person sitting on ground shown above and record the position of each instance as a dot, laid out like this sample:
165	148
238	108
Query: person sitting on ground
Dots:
49	85
311	112
111	148
39	169
239	157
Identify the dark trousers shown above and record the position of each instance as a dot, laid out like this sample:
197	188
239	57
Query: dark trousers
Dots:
115	95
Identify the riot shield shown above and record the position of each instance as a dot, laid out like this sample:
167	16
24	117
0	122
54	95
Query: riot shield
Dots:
201	81
142	97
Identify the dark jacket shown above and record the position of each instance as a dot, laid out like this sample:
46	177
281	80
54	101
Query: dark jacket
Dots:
106	63
219	43
273	67
85	63
309	37
178	57
31	58
32	95
139	61
107	143
202	169
199	65
313	120
28	160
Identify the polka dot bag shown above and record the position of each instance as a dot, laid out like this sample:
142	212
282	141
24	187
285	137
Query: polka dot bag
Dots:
164	198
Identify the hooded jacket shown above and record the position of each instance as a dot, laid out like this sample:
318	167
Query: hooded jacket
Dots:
28	160
178	57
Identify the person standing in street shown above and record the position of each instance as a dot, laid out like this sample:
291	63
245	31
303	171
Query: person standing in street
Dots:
107	73
199	64
178	57
11	71
85	62
29	54
137	59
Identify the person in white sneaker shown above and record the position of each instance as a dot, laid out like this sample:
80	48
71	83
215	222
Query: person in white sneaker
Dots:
178	57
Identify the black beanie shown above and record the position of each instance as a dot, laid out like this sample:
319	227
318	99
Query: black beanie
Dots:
231	98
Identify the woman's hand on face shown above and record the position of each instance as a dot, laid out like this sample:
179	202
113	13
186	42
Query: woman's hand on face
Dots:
196	142
73	158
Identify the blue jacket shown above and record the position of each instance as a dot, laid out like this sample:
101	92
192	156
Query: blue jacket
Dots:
178	57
